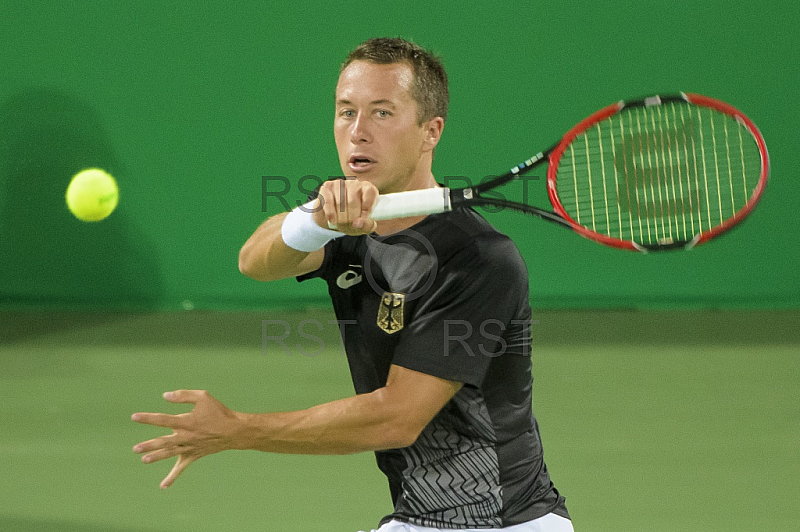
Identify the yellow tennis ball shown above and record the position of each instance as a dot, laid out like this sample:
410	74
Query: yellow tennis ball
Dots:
92	195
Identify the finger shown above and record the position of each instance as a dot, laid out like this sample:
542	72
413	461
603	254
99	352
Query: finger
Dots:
343	200
369	196
318	210
355	201
363	222
184	396
182	463
328	203
161	442
159	420
162	454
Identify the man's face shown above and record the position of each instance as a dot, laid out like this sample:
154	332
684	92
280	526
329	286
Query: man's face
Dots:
376	127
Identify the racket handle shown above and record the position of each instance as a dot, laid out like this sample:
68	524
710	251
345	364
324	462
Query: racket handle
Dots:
412	203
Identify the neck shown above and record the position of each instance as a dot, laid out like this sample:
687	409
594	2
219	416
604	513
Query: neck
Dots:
415	183
420	179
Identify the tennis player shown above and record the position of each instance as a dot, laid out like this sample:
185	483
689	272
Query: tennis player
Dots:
435	316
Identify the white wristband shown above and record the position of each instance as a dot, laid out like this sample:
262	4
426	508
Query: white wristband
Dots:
299	230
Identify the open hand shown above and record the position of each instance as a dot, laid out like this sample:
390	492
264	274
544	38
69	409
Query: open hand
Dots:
209	428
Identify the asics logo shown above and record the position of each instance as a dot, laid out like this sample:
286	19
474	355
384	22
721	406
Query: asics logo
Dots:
349	278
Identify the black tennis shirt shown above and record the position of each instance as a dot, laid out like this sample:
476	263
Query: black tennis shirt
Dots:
448	297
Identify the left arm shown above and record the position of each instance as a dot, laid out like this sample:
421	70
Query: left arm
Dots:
390	417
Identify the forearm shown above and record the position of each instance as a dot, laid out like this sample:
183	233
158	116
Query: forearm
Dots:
342	204
367	422
265	257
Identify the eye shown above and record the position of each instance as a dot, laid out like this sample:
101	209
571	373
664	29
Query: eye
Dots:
383	113
347	113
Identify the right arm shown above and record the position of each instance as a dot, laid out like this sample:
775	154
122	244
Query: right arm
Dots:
266	257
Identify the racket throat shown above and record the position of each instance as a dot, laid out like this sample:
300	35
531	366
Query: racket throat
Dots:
461	196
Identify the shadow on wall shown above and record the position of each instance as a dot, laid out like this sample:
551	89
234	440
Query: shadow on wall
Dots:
47	257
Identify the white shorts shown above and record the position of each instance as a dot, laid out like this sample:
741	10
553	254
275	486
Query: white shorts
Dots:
546	523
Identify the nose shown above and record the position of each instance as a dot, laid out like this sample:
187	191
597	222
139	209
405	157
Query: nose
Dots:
359	132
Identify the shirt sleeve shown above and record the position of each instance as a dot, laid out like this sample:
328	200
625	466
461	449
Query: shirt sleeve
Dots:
462	323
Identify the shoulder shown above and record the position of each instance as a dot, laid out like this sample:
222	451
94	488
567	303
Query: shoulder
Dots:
465	236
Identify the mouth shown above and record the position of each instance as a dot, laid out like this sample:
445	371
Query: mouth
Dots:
361	163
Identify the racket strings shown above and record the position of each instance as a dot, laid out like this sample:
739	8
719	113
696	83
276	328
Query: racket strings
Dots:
659	174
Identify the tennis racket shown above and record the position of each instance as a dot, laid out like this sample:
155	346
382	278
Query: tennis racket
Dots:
659	173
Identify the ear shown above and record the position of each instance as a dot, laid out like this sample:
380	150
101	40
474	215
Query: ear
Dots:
433	132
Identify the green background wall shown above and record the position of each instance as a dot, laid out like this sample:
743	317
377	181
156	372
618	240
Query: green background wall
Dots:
189	104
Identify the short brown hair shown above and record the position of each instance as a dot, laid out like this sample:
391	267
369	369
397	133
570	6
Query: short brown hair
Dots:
429	89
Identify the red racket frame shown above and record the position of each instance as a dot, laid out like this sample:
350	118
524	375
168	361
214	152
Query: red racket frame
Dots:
606	112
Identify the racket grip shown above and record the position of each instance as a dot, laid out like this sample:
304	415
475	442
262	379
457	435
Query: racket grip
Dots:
412	203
